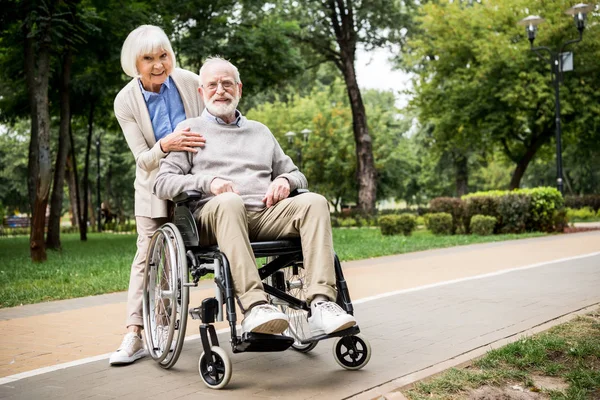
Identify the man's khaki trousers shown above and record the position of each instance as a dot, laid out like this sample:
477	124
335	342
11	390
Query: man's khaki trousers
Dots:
225	221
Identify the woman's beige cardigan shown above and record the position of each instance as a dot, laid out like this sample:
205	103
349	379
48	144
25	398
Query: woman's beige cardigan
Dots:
132	113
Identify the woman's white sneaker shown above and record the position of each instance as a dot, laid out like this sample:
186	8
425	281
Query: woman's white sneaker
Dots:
265	318
328	317
131	349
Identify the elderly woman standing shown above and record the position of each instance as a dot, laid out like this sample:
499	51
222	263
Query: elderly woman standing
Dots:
148	109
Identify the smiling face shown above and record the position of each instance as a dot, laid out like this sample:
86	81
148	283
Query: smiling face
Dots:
154	69
220	91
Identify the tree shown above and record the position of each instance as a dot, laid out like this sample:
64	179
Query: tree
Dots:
328	156
481	89
334	29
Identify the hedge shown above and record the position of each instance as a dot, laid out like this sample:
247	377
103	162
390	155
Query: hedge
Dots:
483	225
397	224
588	200
449	205
439	223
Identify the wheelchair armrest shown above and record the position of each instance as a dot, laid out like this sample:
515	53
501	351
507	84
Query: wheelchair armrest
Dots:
298	192
186	196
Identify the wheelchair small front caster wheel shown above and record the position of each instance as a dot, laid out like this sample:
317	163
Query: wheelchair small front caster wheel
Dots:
352	352
215	373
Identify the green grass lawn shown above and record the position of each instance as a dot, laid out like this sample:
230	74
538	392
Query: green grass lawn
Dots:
102	264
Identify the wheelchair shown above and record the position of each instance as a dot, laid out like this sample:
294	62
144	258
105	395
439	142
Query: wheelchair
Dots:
176	262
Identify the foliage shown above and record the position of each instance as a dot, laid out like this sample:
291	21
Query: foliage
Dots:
481	204
482	225
483	93
13	168
581	214
397	224
513	210
545	202
451	205
590	200
327	156
439	223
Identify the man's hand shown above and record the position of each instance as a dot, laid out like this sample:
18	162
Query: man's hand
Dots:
218	186
278	190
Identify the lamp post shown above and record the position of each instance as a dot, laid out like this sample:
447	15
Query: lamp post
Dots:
559	62
98	199
290	138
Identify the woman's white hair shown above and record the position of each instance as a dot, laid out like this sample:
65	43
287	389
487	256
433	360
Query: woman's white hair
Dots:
217	60
144	39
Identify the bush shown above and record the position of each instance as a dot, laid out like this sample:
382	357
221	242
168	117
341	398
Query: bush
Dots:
396	224
545	201
481	204
439	223
588	200
560	220
347	222
449	205
581	215
482	225
513	211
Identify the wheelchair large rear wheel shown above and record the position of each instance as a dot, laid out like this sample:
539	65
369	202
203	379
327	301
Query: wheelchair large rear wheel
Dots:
165	297
297	286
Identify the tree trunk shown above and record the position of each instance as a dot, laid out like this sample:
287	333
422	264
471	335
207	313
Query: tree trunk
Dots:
341	15
30	76
53	237
42	179
365	171
86	169
462	174
73	195
524	161
79	215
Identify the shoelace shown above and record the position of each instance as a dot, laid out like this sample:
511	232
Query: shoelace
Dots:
267	308
128	341
331	307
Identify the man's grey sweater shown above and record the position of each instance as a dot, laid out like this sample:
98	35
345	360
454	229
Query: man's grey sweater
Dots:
247	155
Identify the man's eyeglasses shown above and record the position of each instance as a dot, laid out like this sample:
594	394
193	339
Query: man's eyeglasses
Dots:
227	85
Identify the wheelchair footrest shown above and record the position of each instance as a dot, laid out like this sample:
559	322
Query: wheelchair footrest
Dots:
353	330
261	342
196	312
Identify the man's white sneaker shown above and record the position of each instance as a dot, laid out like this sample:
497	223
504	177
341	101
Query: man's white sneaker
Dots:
265	318
328	317
131	349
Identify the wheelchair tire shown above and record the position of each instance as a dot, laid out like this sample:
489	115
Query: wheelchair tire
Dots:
295	281
217	372
352	352
165	296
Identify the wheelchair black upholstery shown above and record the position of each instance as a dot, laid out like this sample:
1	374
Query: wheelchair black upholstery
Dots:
197	261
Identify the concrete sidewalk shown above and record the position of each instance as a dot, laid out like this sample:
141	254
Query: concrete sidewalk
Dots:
409	329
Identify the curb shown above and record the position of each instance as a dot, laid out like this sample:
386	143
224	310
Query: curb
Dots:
392	390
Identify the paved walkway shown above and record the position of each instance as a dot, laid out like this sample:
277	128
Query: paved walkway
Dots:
417	310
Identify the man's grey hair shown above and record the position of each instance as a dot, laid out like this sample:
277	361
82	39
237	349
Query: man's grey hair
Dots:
144	39
218	59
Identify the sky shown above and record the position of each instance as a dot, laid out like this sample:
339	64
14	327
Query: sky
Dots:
374	71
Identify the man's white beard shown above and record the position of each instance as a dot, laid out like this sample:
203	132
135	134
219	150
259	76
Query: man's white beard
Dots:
223	110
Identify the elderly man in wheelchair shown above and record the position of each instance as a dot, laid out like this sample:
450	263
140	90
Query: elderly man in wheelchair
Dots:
233	204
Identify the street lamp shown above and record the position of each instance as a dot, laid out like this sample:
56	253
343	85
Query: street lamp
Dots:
559	62
98	199
290	138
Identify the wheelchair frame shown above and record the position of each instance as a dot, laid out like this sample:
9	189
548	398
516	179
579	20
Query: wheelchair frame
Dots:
175	255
